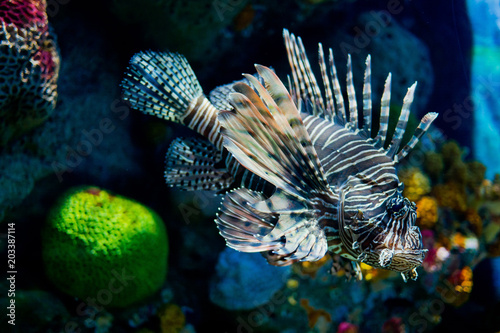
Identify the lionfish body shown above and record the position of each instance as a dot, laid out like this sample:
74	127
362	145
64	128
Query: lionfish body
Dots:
301	177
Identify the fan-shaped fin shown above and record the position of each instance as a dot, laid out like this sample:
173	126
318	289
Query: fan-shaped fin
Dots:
267	136
190	165
240	224
303	76
162	84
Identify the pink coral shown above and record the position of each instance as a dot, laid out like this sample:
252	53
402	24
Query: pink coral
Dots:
23	14
29	67
394	325
345	327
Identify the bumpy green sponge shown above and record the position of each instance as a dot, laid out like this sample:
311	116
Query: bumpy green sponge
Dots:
103	248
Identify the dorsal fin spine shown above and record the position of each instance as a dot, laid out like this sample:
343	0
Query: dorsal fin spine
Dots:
424	125
403	121
384	111
339	99
351	94
367	98
330	108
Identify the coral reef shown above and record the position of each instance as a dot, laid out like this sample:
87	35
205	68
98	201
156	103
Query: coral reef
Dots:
93	137
316	317
427	212
460	226
417	184
29	67
104	246
433	164
245	281
451	195
88	134
172	319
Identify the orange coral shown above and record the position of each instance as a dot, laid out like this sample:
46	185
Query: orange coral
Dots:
244	18
417	184
172	319
461	281
427	212
311	267
458	240
314	315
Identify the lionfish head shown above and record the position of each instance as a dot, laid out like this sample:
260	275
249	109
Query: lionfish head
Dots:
399	247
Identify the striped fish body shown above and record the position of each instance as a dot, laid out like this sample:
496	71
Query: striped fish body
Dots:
369	181
300	176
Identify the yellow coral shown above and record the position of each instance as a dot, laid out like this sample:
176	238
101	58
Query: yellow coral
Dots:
427	212
417	184
311	267
172	318
458	240
465	280
373	274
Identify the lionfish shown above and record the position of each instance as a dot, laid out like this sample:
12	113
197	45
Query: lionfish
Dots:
301	176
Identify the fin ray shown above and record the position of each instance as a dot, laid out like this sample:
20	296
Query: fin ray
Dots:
190	165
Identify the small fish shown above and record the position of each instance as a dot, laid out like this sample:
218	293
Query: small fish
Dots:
301	174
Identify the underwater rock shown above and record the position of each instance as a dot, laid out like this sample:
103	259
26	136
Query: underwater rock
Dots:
193	28
394	49
87	135
35	311
244	281
99	245
29	67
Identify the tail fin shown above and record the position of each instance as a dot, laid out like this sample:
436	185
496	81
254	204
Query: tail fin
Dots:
190	165
164	85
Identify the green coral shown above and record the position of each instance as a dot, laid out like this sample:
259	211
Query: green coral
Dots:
456	169
433	164
106	247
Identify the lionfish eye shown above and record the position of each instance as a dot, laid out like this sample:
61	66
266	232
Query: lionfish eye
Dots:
396	205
